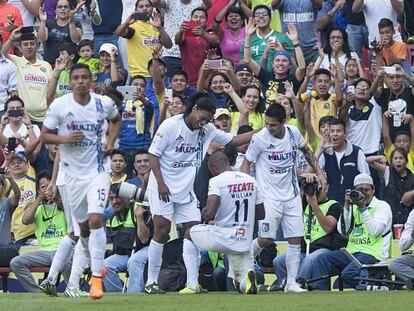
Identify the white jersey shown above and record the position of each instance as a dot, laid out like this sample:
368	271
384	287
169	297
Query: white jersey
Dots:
235	217
180	151
275	162
84	159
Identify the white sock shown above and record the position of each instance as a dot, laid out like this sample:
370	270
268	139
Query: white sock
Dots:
78	265
292	262
62	255
97	243
85	246
256	248
155	250
191	256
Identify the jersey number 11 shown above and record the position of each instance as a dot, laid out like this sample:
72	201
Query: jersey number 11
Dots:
245	203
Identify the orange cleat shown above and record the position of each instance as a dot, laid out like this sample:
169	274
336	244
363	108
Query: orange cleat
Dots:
96	291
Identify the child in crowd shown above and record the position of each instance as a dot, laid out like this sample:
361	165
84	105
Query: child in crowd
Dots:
85	48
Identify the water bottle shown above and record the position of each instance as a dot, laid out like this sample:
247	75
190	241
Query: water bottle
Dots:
397	119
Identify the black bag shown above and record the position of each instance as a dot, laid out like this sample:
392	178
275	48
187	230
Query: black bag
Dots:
267	255
173	274
6	255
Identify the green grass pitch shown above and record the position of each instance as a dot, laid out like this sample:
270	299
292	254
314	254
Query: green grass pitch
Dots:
320	301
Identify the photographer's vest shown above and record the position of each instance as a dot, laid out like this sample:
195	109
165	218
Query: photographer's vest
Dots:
341	178
50	227
317	231
123	232
360	240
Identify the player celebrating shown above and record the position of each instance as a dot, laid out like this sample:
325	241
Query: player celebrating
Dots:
79	118
176	152
275	151
233	202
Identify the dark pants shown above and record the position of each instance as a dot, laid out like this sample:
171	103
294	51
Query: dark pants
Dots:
173	65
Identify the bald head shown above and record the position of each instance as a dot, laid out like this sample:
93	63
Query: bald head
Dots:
218	163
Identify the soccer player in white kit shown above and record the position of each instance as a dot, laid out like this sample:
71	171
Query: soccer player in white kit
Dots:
176	152
275	151
234	203
79	118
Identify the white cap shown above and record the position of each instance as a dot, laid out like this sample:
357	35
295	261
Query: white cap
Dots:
107	47
363	179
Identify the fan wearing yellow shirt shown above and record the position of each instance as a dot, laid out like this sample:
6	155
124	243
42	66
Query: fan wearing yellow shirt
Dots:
402	140
19	168
118	165
144	33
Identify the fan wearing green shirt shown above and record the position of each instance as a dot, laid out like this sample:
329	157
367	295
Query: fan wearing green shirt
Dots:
85	49
59	83
50	223
264	35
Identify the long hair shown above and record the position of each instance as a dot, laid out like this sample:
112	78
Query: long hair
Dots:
345	47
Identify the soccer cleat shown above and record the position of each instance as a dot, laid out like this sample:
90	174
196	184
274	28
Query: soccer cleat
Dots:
75	293
48	288
193	289
96	291
251	286
294	288
153	289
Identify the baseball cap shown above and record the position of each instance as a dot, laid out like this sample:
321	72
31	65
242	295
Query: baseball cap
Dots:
242	67
284	53
221	111
20	155
107	47
363	178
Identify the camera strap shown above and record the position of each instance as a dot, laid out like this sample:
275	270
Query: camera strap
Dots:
309	224
345	232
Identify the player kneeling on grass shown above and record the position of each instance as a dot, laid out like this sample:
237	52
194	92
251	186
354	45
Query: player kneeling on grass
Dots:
234	204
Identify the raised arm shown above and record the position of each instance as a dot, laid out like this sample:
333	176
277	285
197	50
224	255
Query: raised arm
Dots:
398	6
30	211
386	132
293	36
43	32
235	98
324	20
357	6
276	4
250	30
377	162
74	32
16	192
165	39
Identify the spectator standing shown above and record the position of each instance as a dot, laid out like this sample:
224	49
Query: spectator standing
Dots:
356	29
275	24
8	80
331	15
176	12
10	19
33	75
110	12
29	10
50	8
303	14
59	30
87	15
374	10
143	35
194	42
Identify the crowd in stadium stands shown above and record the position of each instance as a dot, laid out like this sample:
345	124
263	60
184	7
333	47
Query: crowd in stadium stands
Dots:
324	86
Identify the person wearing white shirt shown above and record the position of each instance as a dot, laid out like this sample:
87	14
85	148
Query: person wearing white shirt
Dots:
275	150
79	118
234	203
8	80
29	10
176	152
403	266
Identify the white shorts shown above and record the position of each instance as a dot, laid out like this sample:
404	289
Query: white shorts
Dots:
70	220
239	262
289	214
182	212
86	196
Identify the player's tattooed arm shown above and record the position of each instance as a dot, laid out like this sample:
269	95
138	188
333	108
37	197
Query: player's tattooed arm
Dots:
314	164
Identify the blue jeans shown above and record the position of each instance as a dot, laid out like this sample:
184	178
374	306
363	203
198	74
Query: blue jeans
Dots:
114	264
336	262
136	265
305	269
173	64
357	38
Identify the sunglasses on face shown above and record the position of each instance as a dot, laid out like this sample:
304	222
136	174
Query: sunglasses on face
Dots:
261	14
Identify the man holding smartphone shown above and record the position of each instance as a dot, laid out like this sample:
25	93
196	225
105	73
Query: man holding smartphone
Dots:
144	33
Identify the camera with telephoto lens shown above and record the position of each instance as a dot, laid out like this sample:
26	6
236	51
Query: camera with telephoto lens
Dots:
132	192
357	195
308	188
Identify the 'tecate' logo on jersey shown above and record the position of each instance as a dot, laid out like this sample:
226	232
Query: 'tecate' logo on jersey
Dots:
245	186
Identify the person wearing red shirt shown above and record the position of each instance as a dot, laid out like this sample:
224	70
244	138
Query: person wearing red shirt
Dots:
10	18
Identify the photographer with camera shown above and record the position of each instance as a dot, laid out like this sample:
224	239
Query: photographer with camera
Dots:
130	231
320	219
366	221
